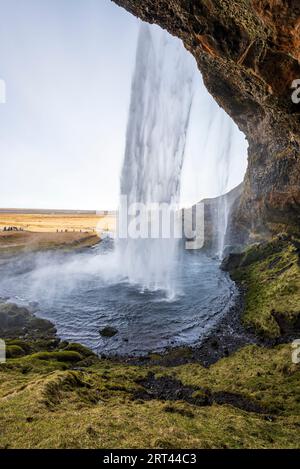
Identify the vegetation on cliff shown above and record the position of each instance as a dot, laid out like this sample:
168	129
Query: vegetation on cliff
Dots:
270	273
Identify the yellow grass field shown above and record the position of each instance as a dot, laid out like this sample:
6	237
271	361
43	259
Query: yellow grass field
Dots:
53	222
57	230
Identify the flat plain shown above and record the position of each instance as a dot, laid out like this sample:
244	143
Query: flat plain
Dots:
52	229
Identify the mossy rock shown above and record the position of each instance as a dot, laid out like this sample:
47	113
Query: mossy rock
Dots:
270	274
62	356
81	349
13	316
17	322
49	344
14	351
25	346
43	325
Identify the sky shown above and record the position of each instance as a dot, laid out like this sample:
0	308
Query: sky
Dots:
67	66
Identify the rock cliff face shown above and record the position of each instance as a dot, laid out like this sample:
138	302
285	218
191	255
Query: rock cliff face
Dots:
248	52
214	209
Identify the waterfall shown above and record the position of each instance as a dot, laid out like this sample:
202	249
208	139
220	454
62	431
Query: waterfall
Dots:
215	163
222	170
161	99
222	158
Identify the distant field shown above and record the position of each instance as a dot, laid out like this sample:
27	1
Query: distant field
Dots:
14	242
50	222
51	230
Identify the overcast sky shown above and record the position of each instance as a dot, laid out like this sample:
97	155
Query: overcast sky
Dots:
67	65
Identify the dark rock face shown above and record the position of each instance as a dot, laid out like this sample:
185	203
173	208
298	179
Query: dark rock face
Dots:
16	321
248	52
212	207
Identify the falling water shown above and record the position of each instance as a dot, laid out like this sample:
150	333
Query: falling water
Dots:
215	164
220	150
161	100
222	171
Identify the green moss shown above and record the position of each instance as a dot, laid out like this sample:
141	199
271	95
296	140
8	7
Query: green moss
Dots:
39	405
63	356
243	15
81	349
25	346
266	376
271	276
60	385
41	324
13	351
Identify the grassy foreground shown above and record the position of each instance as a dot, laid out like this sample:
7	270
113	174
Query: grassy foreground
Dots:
48	402
59	395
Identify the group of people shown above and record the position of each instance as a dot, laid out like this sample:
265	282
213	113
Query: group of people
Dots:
12	228
73	231
67	231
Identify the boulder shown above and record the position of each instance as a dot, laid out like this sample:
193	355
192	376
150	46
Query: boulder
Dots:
108	331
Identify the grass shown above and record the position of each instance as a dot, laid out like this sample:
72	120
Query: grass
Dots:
51	230
266	376
12	243
271	276
48	404
50	222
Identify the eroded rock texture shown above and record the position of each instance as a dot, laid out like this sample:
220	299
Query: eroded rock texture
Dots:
248	52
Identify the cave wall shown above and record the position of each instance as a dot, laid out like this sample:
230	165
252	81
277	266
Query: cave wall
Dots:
248	52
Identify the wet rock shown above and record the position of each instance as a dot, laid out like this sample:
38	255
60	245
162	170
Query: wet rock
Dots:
108	331
288	325
233	249
19	322
231	262
214	344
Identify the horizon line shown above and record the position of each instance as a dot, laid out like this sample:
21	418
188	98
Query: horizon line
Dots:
53	210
